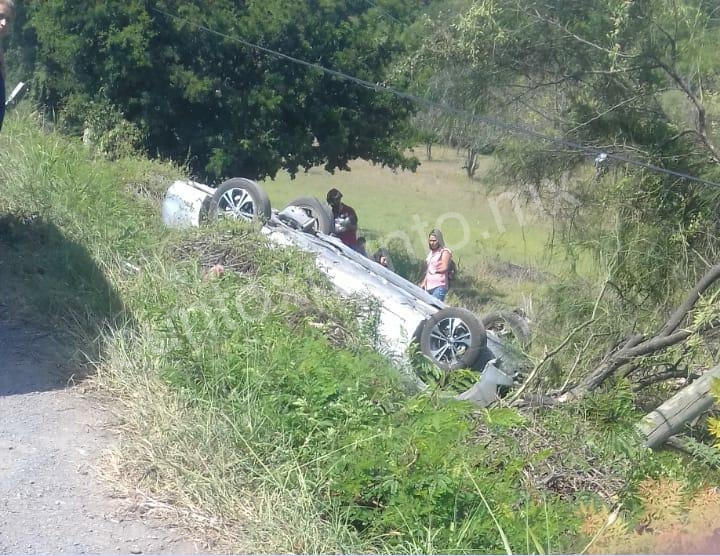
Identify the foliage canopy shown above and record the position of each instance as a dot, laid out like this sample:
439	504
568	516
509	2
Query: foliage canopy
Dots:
634	79
187	76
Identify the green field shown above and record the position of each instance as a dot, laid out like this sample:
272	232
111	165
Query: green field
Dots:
486	232
391	203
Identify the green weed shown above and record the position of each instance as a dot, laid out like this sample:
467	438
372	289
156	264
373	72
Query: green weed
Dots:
258	397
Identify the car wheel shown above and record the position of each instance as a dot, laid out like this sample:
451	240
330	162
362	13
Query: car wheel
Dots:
240	199
317	210
453	338
506	323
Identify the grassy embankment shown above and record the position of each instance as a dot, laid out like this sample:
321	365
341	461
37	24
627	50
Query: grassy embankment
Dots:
256	397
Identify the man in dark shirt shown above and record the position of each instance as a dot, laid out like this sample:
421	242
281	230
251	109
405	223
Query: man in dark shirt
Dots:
7	14
345	218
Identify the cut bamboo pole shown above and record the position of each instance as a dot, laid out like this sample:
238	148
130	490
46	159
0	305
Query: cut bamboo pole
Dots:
669	418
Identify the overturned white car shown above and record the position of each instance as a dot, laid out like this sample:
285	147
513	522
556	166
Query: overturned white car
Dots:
451	337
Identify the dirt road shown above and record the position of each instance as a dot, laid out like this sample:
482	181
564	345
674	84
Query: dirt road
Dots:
52	436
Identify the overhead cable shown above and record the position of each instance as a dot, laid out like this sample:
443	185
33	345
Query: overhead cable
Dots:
444	107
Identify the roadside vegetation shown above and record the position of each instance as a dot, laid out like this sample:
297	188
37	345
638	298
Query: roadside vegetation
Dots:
257	403
569	153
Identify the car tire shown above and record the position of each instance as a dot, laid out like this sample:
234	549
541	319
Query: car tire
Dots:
508	322
241	199
317	210
453	338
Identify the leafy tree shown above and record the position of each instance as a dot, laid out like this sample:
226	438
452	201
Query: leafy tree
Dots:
186	75
635	79
19	56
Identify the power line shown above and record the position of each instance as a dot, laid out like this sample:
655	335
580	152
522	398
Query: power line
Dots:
488	120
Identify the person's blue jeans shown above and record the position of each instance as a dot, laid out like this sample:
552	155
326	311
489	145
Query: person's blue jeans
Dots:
439	293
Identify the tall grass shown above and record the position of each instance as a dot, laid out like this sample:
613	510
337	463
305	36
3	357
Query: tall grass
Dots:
255	401
199	457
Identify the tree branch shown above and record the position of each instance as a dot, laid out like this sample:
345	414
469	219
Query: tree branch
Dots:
676	137
656	343
601	114
584	41
621	71
692	297
699	108
660	377
547	357
635	346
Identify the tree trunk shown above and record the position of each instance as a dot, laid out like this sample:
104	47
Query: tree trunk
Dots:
668	419
471	164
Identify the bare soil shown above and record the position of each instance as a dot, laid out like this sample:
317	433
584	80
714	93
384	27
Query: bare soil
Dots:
53	436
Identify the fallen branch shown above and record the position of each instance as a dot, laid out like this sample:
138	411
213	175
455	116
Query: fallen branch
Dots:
562	345
690	300
549	355
637	345
644	382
